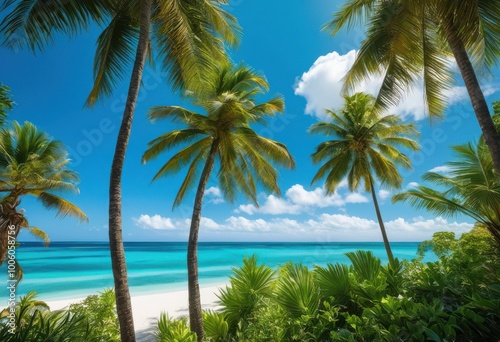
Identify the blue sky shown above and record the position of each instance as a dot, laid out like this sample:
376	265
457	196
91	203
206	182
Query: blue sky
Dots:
281	39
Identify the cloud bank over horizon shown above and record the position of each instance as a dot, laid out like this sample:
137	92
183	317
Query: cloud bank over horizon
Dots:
334	227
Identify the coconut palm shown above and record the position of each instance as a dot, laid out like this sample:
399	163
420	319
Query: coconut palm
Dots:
470	187
365	149
409	41
32	164
185	36
223	135
6	103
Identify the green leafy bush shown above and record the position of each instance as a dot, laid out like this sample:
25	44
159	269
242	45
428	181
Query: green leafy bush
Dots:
170	330
100	311
35	322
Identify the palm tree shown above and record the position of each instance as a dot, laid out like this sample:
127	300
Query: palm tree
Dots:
470	187
186	36
6	103
366	147
222	135
32	164
408	40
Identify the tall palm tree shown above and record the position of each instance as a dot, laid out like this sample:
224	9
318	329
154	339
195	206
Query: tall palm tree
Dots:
408	40
185	35
470	187
32	164
223	135
366	147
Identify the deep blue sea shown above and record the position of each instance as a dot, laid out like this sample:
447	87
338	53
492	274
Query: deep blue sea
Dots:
74	269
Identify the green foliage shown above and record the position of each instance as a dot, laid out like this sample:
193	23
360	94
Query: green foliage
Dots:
215	326
6	103
229	98
366	146
101	311
334	284
249	285
471	187
35	322
407	42
296	291
496	115
33	164
170	330
456	298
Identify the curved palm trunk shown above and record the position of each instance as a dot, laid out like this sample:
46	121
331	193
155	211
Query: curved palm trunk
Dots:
491	136
381	224
8	217
123	303
195	314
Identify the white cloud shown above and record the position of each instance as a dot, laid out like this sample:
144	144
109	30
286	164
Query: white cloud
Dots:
441	169
298	200
322	84
412	185
490	89
383	194
154	222
324	227
214	195
355	197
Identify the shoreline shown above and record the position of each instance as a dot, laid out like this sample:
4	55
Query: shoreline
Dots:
148	307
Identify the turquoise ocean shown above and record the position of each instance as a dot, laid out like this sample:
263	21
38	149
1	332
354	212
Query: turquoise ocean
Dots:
67	270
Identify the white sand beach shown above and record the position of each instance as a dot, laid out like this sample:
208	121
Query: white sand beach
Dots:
147	308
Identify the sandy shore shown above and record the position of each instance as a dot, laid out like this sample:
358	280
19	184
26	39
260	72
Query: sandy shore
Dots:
147	308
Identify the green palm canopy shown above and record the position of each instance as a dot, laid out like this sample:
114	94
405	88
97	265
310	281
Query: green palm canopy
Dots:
408	42
185	35
31	163
365	149
223	135
245	158
470	187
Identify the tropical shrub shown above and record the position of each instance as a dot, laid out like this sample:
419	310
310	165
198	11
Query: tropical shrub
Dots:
454	298
170	330
100	311
35	322
94	319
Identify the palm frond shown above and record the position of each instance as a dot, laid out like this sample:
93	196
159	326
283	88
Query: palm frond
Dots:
34	23
169	140
62	206
114	54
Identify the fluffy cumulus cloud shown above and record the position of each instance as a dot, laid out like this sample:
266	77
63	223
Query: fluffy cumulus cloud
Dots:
214	195
412	185
298	200
326	227
321	86
441	169
383	194
154	222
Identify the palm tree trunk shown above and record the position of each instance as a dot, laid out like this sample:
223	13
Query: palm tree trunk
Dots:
195	314
118	263
490	134
8	217
381	224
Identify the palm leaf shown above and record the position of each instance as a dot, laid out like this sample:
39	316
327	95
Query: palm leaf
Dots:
114	54
34	22
62	206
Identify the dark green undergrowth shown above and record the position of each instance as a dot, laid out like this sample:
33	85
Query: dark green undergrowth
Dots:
456	298
92	320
